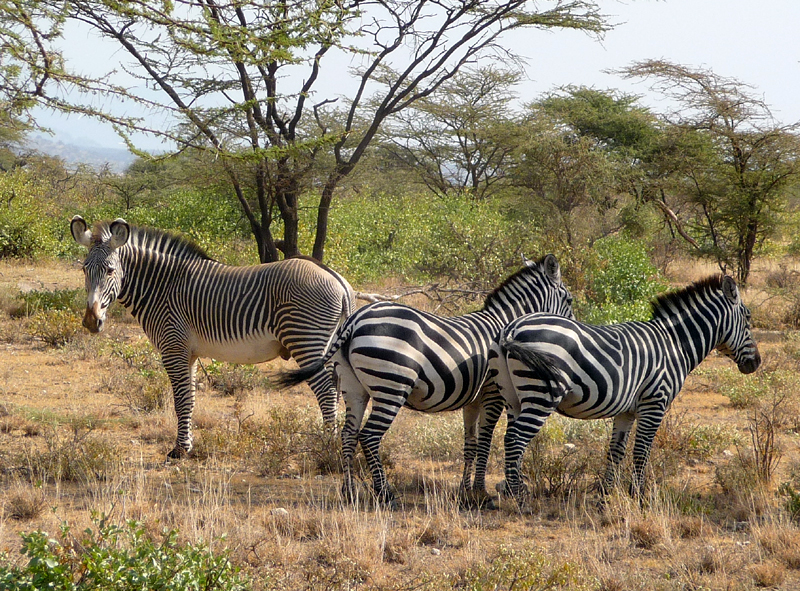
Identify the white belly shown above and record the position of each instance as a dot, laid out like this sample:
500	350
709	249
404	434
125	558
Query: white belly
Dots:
251	350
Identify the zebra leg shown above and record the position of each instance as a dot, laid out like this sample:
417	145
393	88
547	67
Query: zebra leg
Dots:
616	449
356	400
384	410
327	397
491	410
471	413
180	368
647	424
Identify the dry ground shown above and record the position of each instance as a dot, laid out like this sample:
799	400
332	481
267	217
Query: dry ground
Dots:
75	442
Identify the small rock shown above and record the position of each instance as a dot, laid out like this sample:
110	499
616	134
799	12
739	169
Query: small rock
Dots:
727	453
570	446
280	512
436	551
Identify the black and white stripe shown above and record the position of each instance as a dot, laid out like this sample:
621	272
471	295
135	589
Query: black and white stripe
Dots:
630	371
191	306
396	356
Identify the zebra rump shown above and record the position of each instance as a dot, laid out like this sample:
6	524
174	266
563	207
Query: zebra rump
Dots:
543	366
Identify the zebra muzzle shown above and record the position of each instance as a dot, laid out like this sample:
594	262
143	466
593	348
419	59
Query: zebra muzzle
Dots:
92	321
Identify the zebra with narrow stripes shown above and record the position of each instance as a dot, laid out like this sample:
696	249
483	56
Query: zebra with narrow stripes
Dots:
192	306
630	371
395	356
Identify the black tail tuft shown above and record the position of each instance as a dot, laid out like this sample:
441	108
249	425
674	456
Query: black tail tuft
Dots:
543	365
292	377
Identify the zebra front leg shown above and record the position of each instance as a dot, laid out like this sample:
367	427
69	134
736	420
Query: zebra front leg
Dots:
180	368
470	414
491	410
616	449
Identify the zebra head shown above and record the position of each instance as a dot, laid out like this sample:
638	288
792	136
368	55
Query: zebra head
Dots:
549	293
101	268
737	339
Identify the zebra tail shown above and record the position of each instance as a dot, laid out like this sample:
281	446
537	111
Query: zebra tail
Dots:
292	377
543	365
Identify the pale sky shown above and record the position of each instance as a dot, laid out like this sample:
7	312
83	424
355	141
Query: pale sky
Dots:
754	42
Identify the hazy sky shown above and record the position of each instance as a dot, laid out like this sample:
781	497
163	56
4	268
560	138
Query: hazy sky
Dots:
753	41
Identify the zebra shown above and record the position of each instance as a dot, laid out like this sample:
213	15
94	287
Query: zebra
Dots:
398	356
630	371
192	306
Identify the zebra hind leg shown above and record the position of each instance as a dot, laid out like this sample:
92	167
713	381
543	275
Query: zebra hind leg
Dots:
321	384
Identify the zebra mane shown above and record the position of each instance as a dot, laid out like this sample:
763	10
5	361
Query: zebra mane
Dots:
523	271
155	240
664	305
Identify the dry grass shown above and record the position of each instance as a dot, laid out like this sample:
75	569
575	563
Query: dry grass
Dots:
75	440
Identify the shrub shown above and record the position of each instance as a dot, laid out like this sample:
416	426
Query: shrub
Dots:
228	378
82	458
121	558
70	300
622	282
55	328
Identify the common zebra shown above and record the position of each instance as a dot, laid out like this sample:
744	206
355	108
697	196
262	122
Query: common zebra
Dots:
191	306
399	356
630	371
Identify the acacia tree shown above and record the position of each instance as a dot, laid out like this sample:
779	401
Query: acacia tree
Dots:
241	80
460	138
740	164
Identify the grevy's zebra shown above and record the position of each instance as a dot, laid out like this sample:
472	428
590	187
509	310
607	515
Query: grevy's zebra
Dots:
191	306
629	371
399	356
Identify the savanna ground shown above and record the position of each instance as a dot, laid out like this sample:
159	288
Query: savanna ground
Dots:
85	428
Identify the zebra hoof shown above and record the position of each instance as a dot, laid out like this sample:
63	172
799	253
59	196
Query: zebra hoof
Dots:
506	491
476	499
387	499
177	453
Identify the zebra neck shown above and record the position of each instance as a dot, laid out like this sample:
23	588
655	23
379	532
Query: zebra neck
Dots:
149	274
694	334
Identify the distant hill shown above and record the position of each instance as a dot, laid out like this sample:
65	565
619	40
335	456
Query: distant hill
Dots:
79	152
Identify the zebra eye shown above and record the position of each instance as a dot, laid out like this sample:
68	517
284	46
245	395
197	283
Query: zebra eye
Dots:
110	271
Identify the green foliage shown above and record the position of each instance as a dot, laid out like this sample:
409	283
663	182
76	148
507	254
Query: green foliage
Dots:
27	221
207	217
528	569
55	328
229	378
422	238
70	300
792	500
121	558
622	282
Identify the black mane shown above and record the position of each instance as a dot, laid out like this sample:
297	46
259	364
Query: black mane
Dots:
162	241
524	270
664	304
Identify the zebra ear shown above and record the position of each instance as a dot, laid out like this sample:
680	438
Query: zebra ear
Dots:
80	231
552	268
730	290
120	232
526	261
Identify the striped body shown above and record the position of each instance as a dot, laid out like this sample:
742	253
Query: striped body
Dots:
396	356
630	371
191	306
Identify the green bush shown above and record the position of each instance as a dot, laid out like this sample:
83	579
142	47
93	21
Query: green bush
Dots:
622	282
28	222
121	558
55	328
422	238
71	300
